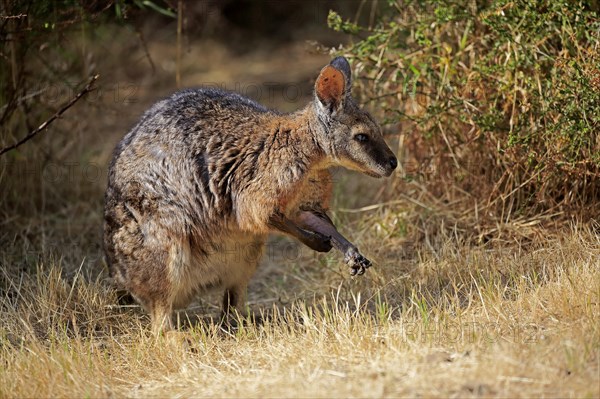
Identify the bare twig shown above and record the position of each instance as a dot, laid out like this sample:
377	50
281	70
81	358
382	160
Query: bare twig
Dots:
179	28
140	36
358	12
88	87
372	15
26	97
13	16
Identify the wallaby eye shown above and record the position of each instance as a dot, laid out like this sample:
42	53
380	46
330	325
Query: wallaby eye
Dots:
362	138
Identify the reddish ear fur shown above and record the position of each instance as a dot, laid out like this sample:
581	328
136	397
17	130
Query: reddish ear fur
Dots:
330	86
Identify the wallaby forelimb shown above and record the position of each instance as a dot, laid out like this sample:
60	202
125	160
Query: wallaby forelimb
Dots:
319	222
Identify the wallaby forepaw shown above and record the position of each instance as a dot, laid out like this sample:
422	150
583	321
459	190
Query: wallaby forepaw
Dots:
357	262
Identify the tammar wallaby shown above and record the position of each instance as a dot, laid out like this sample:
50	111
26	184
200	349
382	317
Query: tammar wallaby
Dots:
198	184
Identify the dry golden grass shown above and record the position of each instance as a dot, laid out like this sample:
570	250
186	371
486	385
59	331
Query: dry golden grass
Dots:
511	322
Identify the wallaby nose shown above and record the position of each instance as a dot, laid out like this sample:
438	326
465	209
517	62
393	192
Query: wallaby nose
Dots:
393	163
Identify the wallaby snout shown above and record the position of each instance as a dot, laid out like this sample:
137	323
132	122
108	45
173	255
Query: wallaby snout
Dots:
386	160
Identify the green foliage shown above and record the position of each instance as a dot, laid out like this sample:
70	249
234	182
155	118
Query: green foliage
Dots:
498	99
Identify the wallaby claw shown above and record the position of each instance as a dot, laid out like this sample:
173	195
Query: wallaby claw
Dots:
357	262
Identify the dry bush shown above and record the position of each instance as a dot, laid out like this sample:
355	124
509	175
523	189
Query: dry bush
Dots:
497	104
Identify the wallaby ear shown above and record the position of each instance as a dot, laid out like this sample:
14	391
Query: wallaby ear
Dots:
341	64
333	84
330	88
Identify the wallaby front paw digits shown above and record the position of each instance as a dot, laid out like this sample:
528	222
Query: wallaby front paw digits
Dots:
366	263
357	270
357	262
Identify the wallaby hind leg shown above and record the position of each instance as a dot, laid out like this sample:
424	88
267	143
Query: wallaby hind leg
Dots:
143	271
244	259
150	284
234	305
161	316
234	300
140	257
159	306
173	286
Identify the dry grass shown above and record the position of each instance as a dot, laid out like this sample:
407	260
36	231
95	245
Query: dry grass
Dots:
458	322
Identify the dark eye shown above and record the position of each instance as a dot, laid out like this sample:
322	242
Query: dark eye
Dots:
362	138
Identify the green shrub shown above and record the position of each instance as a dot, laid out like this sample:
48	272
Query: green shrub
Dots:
497	103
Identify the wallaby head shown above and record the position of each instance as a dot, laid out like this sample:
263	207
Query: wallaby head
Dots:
349	135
